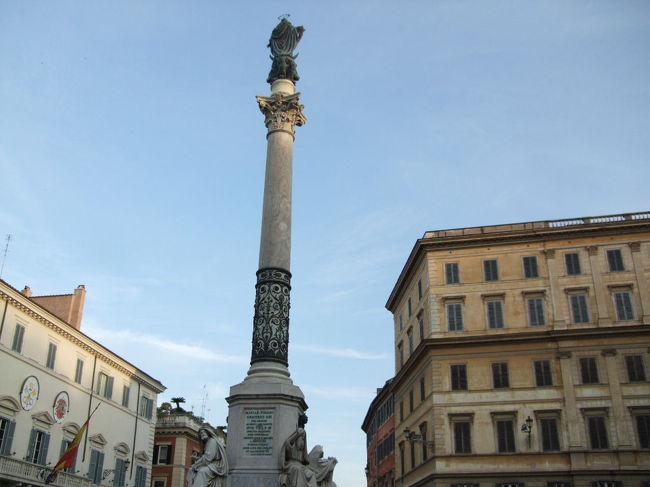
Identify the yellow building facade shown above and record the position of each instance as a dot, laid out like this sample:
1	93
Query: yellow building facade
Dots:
521	355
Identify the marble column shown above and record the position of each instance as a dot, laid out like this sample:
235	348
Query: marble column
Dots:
264	409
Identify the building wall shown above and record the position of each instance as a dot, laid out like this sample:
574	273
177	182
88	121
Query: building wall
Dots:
560	339
116	430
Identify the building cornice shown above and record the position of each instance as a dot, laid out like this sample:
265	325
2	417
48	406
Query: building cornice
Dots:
68	332
430	345
495	235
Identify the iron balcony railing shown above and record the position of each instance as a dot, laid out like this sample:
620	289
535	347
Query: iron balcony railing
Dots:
29	473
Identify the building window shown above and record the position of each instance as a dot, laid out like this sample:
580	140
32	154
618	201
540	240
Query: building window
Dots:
495	314
422	389
536	315
589	370
624	309
7	428
491	270
96	466
421	325
126	392
543	375
162	454
505	435
65	444
146	407
572	262
140	476
558	484
465	485
530	267
462	437
635	368
500	377
579	308
459	377
79	371
39	442
401	411
597	427
643	430
419	288
105	385
51	356
19	333
401	322
119	476
615	260
412	443
455	316
409	335
411	400
452	273
400	352
410	307
511	484
423	434
401	457
607	483
550	436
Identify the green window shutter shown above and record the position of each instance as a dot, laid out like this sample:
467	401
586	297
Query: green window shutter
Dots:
109	387
8	437
32	444
42	454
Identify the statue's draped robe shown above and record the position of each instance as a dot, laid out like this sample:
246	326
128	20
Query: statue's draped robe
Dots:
211	467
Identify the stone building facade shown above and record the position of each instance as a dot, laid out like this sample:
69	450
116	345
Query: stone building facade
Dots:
379	426
52	376
521	355
176	441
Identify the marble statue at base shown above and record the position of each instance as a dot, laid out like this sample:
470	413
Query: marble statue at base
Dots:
300	469
211	468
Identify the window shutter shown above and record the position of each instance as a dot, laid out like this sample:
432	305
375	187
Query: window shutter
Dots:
109	387
10	426
156	450
32	444
42	454
92	468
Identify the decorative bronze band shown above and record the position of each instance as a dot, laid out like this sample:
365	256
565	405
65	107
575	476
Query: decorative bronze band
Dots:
271	321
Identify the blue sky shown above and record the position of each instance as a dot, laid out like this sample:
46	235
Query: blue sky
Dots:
132	161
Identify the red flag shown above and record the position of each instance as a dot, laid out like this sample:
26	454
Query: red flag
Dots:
68	458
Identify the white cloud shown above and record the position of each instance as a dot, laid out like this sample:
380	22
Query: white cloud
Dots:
195	352
339	352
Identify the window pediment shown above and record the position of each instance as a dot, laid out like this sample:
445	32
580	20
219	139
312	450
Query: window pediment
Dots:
9	406
122	449
43	419
98	440
71	429
141	456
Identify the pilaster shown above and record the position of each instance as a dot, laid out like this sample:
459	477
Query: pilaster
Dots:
599	290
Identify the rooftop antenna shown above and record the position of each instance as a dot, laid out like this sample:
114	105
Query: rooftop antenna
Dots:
4	256
204	399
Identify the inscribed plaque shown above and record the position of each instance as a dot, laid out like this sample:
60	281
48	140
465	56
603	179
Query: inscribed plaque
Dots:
258	436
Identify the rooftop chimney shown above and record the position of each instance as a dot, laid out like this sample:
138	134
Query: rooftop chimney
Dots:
68	307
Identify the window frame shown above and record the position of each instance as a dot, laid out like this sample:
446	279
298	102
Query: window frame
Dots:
509	445
635	367
490	270
531	269
452	273
571	266
50	361
550	441
500	375
624	305
496	316
536	314
615	261
18	339
597	431
462	370
461	428
543	369
79	371
589	373
455	319
579	305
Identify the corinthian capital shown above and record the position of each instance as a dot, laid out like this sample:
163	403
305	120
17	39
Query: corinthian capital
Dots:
282	112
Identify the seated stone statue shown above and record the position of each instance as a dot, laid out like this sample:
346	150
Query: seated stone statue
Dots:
211	468
295	462
322	467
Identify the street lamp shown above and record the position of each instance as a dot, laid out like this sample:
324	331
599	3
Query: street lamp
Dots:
109	471
527	427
